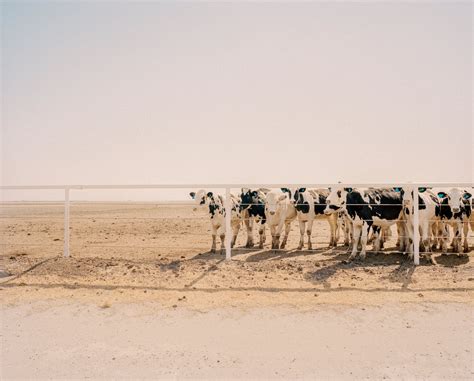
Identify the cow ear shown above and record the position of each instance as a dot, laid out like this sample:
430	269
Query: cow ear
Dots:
209	194
284	189
245	190
264	190
192	194
421	190
397	189
301	190
467	195
442	194
348	190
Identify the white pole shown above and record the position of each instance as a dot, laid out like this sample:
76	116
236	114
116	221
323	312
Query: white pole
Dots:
416	229
66	222
228	225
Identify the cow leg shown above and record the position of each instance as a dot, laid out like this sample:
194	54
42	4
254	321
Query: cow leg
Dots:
377	232
435	235
261	233
332	220
273	234
425	229
248	221
445	238
338	226
401	236
235	232
302	225
287	233
349	231
363	239
465	232
355	240
458	237
456	242
221	232
345	230
309	231
214	234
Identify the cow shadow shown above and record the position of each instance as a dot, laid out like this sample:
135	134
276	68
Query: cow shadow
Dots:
270	254
451	260
372	260
218	254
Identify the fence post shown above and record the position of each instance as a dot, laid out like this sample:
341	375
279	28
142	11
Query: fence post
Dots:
228	225
66	222
416	229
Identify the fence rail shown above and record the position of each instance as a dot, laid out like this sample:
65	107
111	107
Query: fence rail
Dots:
227	188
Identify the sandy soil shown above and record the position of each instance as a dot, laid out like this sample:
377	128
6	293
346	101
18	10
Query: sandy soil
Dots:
393	341
140	266
129	252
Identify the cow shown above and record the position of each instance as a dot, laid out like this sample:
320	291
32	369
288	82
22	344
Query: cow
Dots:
217	212
455	211
279	210
469	200
309	205
252	209
428	218
376	208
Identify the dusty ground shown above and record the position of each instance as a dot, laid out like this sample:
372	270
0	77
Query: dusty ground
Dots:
70	340
136	267
125	252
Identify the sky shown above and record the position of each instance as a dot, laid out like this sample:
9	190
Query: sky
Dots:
176	92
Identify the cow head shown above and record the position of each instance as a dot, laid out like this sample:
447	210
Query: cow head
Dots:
301	205
336	200
248	197
272	201
454	198
200	198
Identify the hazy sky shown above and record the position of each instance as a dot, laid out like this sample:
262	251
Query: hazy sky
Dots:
104	93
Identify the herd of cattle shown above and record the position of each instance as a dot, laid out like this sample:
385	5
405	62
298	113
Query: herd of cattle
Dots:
361	214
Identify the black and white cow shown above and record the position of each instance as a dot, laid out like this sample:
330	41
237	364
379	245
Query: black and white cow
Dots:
470	202
217	212
428	218
310	205
368	208
280	211
252	209
455	212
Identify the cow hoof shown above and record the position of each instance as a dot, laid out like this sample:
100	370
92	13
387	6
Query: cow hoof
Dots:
300	247
466	250
432	261
213	251
310	247
362	257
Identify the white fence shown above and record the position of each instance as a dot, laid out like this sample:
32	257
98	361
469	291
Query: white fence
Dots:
227	188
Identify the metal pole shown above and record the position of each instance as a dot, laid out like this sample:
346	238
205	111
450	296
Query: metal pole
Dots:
416	229
66	222
228	225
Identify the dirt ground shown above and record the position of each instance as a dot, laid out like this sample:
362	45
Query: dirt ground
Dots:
128	252
141	296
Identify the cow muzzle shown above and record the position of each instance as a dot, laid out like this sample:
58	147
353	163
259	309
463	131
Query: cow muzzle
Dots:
456	210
